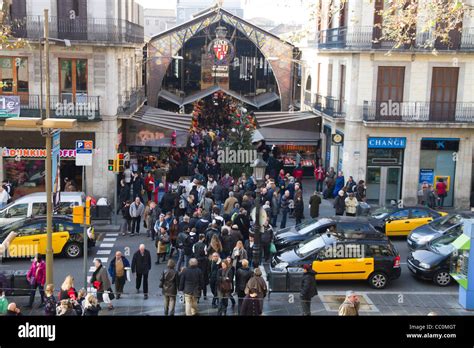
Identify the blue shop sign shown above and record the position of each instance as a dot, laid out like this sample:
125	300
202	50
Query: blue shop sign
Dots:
426	175
387	143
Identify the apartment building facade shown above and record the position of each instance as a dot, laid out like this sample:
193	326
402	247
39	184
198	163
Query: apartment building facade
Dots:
404	116
96	80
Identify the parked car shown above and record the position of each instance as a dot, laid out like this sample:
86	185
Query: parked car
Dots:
419	237
35	205
433	263
334	257
349	227
29	237
401	221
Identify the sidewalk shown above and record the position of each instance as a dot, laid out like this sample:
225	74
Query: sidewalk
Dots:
280	304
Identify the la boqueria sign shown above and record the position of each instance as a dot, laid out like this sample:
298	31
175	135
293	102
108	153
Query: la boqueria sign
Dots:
35	153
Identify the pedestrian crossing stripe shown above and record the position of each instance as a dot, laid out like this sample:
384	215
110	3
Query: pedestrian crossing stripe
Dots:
92	269
106	245
111	234
104	252
109	239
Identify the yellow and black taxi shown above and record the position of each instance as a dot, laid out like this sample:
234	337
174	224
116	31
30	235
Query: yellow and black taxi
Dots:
401	221
335	257
27	237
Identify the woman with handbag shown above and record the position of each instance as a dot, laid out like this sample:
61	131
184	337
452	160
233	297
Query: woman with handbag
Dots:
100	281
162	244
224	286
36	276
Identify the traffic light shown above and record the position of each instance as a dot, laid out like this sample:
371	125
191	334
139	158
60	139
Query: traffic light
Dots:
78	214
119	163
88	211
111	166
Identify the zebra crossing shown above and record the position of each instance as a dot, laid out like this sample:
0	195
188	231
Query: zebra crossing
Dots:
104	249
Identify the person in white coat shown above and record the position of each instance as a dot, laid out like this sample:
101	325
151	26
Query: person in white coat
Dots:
351	204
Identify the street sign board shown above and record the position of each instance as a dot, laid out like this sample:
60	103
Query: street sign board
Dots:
84	150
56	172
9	106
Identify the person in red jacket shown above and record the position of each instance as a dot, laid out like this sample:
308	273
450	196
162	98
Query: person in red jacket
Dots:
441	191
36	276
149	185
298	173
319	175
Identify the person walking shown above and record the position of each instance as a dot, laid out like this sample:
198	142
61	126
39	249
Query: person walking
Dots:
266	240
149	185
162	244
252	305
101	283
224	286
4	197
36	277
213	268
285	208
275	207
127	218
117	272
169	283
141	265
136	212
339	203
258	283
238	255
308	289
200	254
319	175
351	204
361	191
351	305
137	186
299	208
339	183
50	302
441	191
242	277
191	282
314	203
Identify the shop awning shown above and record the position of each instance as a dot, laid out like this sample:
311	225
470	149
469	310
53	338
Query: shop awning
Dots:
162	118
277	136
266	119
257	101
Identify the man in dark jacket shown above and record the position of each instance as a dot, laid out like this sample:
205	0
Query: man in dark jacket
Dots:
243	222
241	279
169	201
314	202
141	264
117	271
169	282
191	282
212	230
218	194
200	253
308	289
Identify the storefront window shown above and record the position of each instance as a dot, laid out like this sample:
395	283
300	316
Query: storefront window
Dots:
73	78
14	75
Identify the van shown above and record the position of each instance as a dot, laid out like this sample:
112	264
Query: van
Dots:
35	205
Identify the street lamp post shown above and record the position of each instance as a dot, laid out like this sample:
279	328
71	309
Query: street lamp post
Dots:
48	126
259	167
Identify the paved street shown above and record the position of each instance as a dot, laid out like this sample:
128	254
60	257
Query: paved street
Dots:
404	296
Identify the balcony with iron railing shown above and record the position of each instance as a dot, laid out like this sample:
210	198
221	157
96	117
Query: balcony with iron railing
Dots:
436	112
80	107
329	106
100	30
363	38
130	101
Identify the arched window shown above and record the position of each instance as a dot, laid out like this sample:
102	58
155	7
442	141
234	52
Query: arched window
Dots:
308	83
